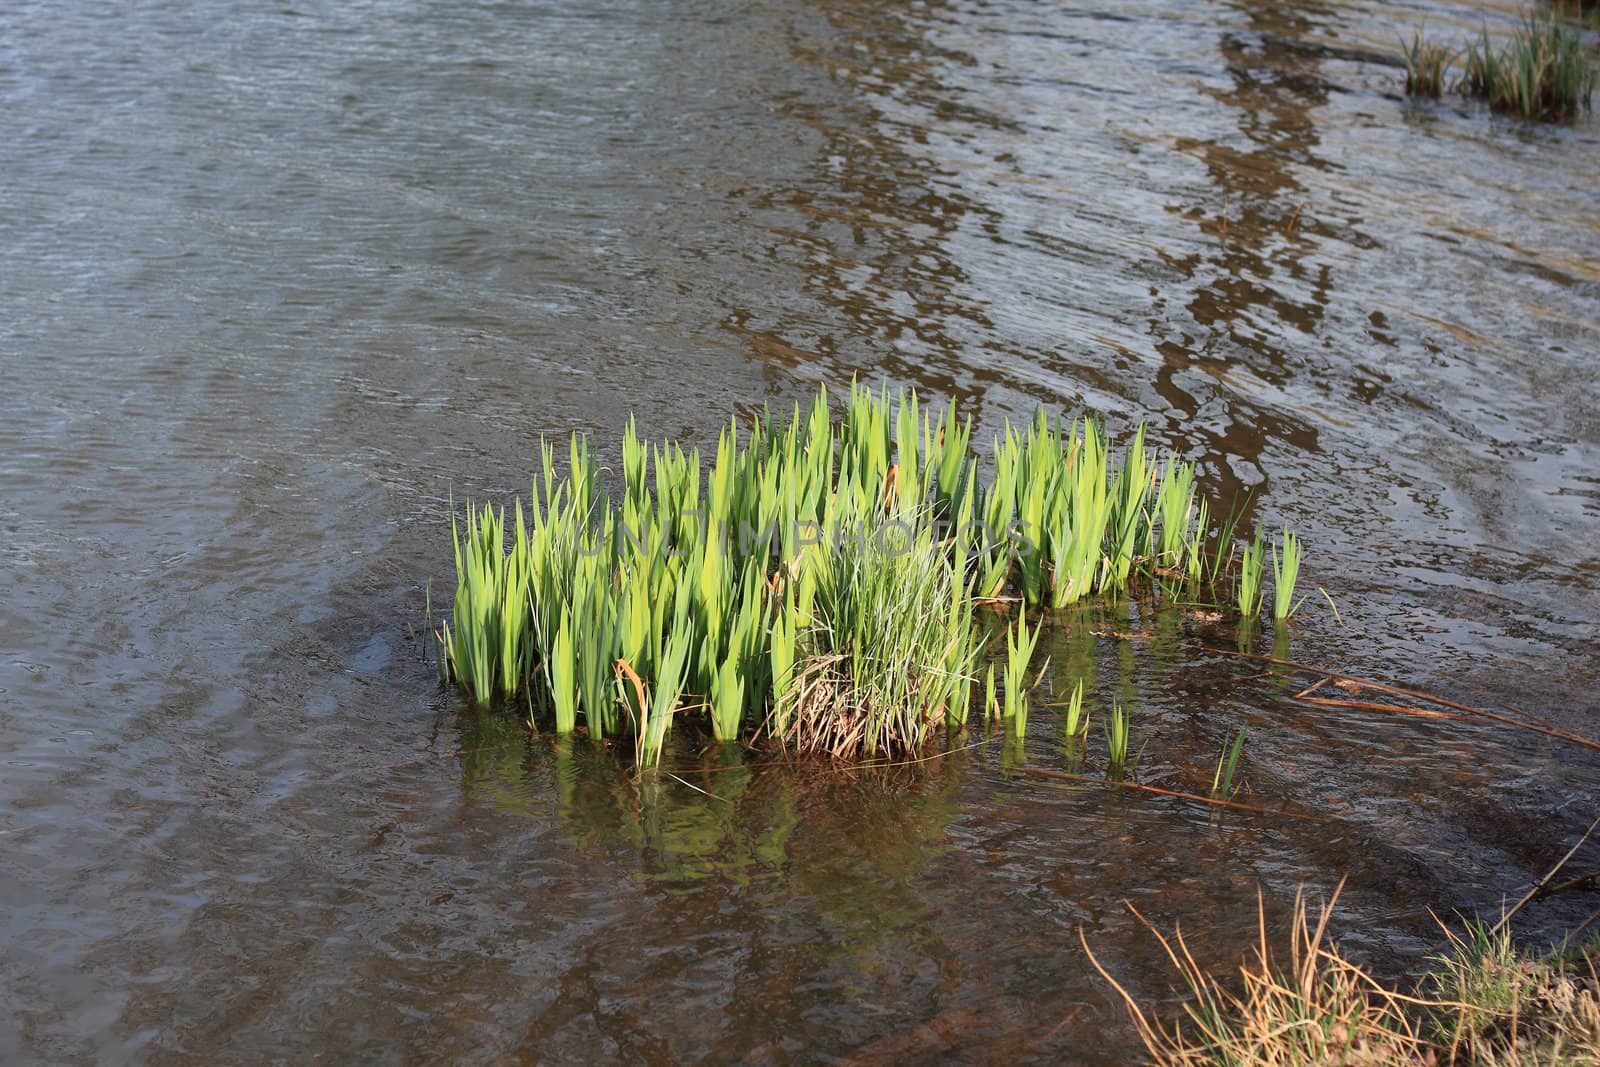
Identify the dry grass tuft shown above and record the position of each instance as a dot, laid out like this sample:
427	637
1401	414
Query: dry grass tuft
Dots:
1484	1004
1427	62
1320	1009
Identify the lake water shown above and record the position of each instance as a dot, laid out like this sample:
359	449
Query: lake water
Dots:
280	278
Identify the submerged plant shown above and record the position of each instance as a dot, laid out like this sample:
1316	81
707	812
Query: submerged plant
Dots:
1427	62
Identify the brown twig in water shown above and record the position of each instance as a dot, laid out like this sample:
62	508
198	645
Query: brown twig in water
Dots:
1294	220
1065	776
1394	690
1368	705
1573	883
1541	883
697	789
1581	927
1056	1029
1307	691
869	765
933	1039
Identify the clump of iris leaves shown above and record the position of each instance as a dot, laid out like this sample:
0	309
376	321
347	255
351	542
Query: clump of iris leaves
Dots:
819	585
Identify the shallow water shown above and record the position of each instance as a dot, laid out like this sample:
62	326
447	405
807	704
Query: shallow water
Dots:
279	279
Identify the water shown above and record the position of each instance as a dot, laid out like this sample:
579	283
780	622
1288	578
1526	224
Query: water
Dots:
279	279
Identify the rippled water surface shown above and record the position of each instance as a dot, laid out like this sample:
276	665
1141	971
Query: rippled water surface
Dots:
280	278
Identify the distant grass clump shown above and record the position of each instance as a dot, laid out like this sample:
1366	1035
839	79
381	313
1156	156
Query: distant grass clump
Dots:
1427	63
1481	71
1542	73
817	585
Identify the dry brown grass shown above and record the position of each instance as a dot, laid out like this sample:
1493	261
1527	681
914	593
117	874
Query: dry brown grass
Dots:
827	714
1484	1005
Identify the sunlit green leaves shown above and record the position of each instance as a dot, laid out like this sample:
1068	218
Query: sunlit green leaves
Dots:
819	581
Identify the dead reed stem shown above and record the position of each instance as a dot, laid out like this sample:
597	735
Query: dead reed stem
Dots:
1394	690
1066	776
1541	883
